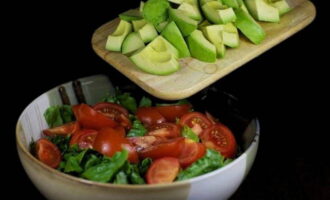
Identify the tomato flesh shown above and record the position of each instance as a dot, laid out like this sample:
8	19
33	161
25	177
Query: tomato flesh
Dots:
149	116
66	129
173	111
221	139
163	170
48	153
109	141
191	152
196	121
115	112
91	119
165	130
84	138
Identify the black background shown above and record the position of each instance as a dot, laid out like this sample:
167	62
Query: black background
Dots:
286	86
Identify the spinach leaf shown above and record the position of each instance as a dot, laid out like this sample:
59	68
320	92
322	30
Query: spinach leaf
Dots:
212	160
188	133
105	171
145	102
127	101
137	129
91	161
73	162
133	173
58	115
62	142
121	178
144	165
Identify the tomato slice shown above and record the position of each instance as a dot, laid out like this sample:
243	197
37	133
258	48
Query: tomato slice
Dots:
167	148
91	119
172	112
196	121
149	116
191	152
115	112
84	138
144	142
163	170
109	141
165	130
221	139
66	129
48	153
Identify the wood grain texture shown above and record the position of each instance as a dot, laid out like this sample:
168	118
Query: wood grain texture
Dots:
195	75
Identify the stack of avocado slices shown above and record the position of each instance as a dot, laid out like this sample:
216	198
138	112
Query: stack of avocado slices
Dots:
160	32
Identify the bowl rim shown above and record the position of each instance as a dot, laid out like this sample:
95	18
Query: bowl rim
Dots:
26	152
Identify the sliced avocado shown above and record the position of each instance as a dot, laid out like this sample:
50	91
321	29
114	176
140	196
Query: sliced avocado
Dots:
249	27
130	15
217	13
191	11
200	47
262	10
155	11
172	33
214	34
138	24
115	40
132	42
227	15
242	6
147	32
202	2
230	35
232	3
221	49
156	58
282	6
141	6
203	23
185	24
160	27
161	44
176	1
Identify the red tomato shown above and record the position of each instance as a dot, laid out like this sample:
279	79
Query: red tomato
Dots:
109	141
115	112
165	130
163	170
191	152
221	139
196	121
168	148
91	119
173	111
48	153
65	129
149	116
143	142
84	138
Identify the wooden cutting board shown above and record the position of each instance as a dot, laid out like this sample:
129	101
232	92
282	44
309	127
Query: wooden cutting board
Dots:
195	75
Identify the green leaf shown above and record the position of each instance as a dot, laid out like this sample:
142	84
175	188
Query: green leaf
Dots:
92	161
144	165
137	129
105	171
73	162
136	178
212	160
121	178
110	99
188	133
62	142
127	101
58	115
145	102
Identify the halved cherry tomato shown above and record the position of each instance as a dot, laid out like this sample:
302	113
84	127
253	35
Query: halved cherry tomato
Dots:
196	121
165	130
191	152
115	112
171	148
163	170
84	138
65	129
91	119
48	153
143	142
221	139
172	112
149	116
109	141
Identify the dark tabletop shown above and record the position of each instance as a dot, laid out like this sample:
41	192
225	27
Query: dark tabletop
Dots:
286	86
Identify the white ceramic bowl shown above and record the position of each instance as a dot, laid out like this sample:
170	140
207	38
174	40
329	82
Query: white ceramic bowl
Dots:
216	185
